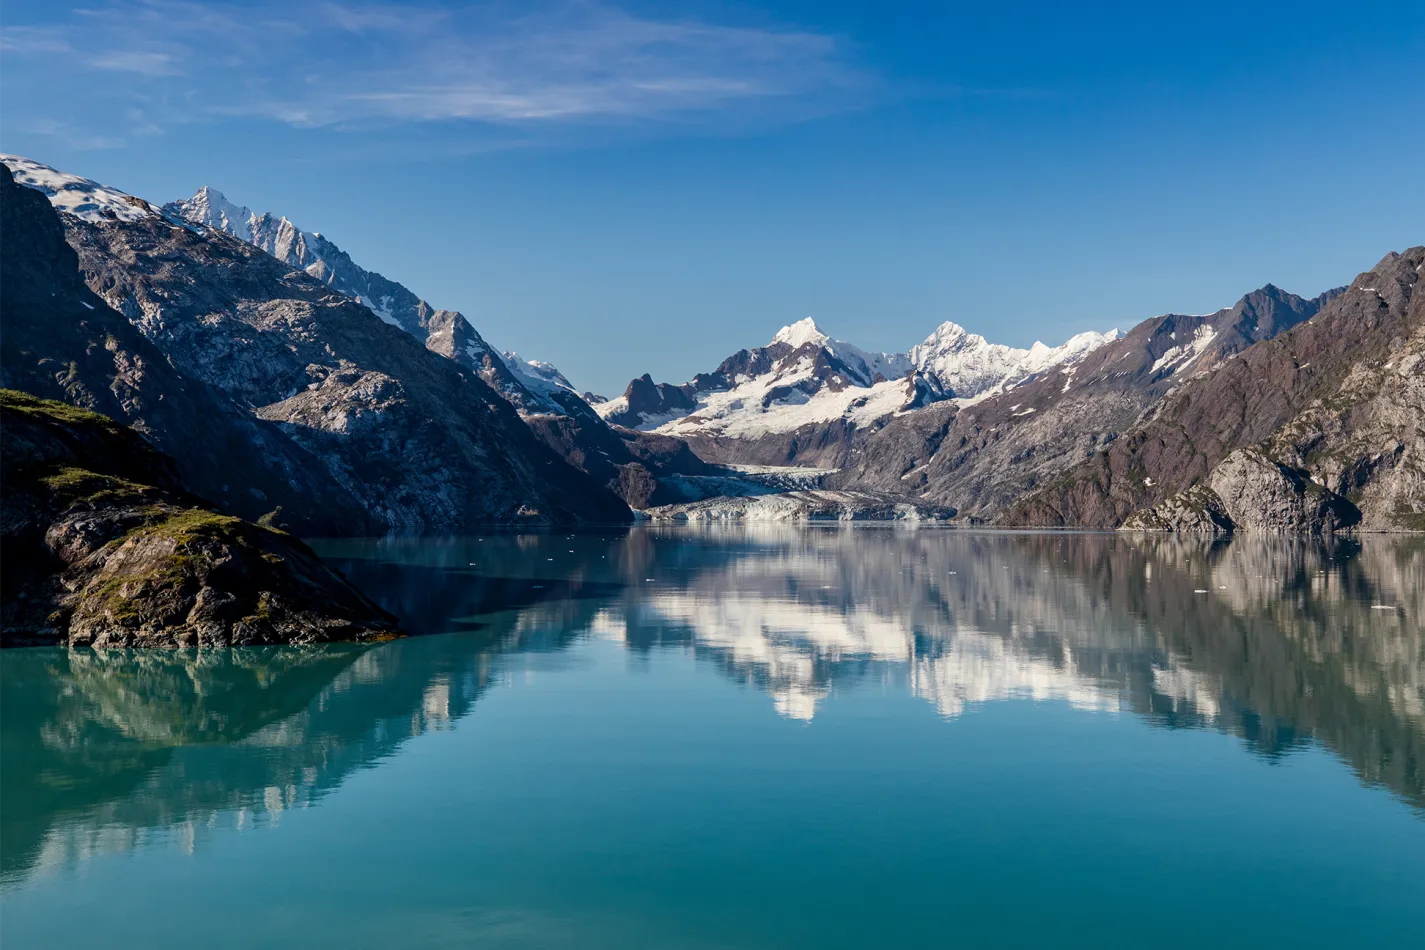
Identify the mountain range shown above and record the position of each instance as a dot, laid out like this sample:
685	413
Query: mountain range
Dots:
1280	412
270	389
804	377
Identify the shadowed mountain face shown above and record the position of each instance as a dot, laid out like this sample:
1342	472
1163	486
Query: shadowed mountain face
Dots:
1286	644
61	341
360	413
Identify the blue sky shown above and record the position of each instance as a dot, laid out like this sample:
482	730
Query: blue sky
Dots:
631	187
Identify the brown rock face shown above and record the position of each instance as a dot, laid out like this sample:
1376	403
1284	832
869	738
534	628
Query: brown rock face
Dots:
1337	399
103	547
985	457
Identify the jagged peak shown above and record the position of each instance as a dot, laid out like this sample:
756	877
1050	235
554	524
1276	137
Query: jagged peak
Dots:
211	208
953	336
802	332
208	196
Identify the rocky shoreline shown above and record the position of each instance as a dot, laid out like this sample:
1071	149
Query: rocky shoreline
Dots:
103	547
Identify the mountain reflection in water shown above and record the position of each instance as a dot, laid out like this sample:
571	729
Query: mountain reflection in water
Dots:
1280	642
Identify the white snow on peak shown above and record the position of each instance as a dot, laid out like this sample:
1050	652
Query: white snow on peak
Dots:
800	333
790	396
1040	358
951	336
537	376
973	368
862	362
80	197
277	236
210	207
963	362
539	369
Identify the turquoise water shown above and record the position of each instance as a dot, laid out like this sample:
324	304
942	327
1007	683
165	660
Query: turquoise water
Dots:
762	738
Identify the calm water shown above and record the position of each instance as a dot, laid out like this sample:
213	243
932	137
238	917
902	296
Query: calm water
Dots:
782	738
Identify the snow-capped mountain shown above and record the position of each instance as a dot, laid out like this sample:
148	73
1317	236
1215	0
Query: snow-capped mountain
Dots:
208	232
964	363
968	366
804	377
447	332
865	366
801	376
81	197
274	394
537	375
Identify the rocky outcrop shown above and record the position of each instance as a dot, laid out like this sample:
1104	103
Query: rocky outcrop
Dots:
1199	510
103	547
644	400
1334	404
1366	440
1248	491
1260	494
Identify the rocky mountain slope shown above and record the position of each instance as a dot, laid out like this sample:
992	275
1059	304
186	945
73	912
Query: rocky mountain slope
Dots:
361	410
103	547
982	456
446	332
1320	428
544	398
61	341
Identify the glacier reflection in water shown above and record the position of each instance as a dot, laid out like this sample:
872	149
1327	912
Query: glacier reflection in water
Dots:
1187	631
1284	644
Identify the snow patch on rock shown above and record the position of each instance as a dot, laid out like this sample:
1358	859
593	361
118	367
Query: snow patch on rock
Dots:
81	197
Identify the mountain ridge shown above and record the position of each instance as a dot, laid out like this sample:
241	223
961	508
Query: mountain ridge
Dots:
358	411
544	398
1297	433
802	363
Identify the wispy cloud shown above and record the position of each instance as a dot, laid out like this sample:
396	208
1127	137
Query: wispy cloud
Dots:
358	65
136	61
